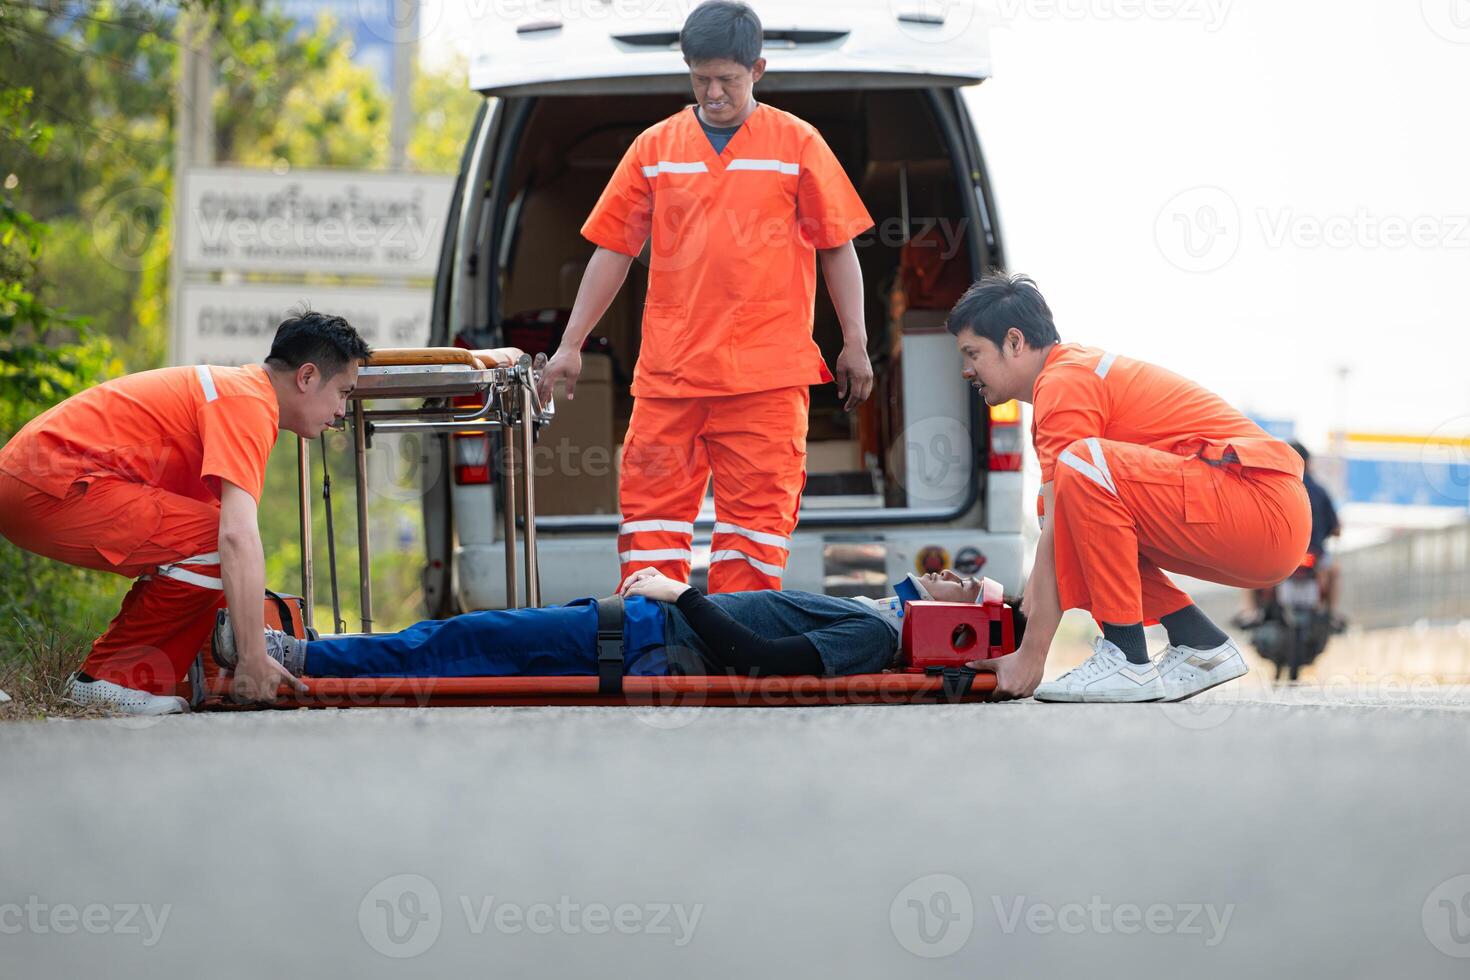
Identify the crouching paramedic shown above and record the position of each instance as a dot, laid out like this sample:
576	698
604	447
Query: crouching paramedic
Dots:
738	198
158	476
1142	471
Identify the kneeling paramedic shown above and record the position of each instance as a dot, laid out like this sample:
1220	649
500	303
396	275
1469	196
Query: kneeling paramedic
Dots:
158	476
1142	471
667	627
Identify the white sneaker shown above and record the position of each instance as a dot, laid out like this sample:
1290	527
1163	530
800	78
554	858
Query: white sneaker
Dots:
1186	671
105	694
1105	677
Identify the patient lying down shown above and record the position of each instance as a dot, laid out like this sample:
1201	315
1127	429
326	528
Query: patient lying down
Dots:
668	628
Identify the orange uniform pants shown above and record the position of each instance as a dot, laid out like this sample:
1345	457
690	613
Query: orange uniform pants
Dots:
165	541
755	445
1124	513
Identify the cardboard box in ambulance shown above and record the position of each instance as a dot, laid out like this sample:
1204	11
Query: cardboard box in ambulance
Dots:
922	477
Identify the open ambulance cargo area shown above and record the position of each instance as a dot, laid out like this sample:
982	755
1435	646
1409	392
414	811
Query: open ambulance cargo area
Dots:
919	476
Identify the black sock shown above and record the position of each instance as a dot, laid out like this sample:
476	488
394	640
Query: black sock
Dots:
85	678
1129	639
1189	627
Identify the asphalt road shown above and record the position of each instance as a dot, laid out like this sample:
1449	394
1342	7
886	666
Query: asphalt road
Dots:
1323	836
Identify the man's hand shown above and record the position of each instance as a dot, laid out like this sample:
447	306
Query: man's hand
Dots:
651	584
258	678
854	376
1017	675
566	366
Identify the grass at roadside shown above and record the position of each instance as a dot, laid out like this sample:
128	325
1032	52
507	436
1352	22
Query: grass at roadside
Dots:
34	676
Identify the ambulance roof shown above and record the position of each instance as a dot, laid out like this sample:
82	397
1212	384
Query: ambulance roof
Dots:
551	47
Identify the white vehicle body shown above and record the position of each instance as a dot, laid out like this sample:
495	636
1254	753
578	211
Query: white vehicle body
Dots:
565	92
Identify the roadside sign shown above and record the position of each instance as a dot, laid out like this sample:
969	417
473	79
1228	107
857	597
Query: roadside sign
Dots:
225	324
313	221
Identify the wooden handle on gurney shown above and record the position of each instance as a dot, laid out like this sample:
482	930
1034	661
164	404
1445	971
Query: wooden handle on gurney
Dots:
478	359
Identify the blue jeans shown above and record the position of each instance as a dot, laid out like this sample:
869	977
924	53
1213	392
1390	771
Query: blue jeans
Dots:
553	641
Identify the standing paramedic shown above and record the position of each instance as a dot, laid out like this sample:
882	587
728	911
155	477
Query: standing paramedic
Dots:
737	197
1141	471
157	476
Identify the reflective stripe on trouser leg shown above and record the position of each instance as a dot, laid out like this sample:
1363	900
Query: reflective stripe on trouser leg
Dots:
757	447
660	486
1095	542
150	643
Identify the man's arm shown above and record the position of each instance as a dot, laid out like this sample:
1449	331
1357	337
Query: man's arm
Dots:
601	280
242	569
1018	674
844	279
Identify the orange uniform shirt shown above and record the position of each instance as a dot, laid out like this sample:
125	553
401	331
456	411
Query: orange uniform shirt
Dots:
732	272
181	429
1083	392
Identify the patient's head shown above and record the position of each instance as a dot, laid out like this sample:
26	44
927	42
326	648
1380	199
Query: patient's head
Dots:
948	586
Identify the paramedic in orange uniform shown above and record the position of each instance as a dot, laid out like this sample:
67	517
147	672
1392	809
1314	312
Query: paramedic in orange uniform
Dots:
738	198
1142	471
157	476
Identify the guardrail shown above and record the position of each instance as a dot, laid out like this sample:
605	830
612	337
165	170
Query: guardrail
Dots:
1419	575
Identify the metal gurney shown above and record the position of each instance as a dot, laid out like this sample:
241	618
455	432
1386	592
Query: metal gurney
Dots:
502	381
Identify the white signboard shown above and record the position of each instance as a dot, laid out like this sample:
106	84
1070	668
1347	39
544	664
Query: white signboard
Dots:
314	221
228	325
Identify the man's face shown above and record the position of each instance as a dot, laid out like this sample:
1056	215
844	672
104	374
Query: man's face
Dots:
948	586
322	400
723	88
987	367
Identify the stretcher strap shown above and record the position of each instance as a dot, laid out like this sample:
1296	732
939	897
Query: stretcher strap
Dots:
610	645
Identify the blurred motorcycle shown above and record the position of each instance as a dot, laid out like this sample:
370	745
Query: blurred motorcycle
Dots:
1291	629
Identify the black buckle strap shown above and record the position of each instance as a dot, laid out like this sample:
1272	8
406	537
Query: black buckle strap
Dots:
610	645
957	682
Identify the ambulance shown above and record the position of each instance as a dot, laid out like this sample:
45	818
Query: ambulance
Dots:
922	477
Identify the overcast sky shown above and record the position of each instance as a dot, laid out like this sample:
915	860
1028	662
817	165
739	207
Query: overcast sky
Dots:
1256	193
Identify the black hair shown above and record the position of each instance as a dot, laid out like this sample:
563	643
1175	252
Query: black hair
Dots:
721	29
1301	451
996	303
307	337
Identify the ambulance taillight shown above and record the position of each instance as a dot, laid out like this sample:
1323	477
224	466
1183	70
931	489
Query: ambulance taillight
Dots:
471	450
1005	437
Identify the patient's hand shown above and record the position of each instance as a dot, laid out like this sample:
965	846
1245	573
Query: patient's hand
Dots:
650	584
